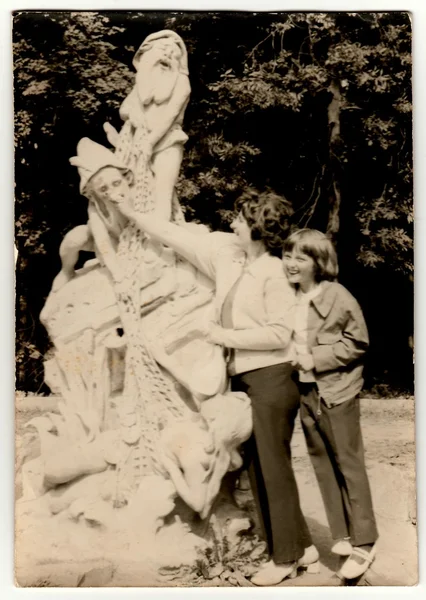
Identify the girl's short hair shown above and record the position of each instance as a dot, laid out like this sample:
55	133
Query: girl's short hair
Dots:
268	216
318	246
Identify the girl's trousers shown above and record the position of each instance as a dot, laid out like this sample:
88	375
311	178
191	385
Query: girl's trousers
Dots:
335	446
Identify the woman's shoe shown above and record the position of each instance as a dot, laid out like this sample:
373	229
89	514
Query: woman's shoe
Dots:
272	574
266	565
309	560
342	548
357	563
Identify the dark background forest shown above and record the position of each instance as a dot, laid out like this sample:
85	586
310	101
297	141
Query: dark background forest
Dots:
315	106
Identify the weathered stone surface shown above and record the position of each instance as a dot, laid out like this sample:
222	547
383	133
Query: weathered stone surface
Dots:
142	416
97	576
70	574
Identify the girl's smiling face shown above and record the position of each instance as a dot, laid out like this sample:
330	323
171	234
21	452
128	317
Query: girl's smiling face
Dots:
300	269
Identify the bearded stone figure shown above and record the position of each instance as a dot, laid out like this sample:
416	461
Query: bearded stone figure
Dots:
152	135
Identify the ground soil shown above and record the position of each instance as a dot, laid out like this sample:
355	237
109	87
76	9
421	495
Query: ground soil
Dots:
388	430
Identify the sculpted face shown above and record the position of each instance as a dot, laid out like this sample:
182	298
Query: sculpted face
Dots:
110	186
164	54
157	72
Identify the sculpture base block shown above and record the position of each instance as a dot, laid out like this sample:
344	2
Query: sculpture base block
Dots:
100	549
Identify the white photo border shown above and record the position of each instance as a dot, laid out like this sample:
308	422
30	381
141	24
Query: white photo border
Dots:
7	588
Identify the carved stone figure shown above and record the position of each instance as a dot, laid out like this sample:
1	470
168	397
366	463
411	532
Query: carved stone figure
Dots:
143	394
151	140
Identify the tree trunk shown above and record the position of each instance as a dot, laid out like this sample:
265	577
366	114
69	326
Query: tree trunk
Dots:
333	224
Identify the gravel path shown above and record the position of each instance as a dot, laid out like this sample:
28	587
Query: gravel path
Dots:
388	430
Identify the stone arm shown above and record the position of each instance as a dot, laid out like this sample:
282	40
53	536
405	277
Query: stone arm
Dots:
186	451
76	240
193	498
103	242
111	133
168	114
79	238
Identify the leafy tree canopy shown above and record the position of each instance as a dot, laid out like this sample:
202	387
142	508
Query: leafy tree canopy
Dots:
316	106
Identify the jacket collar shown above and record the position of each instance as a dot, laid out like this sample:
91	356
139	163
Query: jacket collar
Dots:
325	300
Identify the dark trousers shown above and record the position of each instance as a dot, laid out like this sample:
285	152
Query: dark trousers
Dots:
275	403
335	446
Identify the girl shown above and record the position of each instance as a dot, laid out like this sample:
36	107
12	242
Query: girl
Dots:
330	338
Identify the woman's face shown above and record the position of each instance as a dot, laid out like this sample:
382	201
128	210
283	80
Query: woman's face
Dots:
299	268
242	230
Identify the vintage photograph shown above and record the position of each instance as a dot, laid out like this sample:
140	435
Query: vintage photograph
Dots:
214	299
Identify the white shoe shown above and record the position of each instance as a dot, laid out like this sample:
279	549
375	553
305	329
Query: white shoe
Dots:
309	560
342	548
358	563
266	565
272	574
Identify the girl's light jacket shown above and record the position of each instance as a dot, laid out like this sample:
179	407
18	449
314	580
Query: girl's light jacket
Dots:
338	340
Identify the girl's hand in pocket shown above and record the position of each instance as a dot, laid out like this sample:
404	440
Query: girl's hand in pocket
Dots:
305	362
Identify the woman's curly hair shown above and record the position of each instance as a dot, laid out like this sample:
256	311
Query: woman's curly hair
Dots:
268	216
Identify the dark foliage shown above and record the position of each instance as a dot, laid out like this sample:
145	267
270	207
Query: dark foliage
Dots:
316	107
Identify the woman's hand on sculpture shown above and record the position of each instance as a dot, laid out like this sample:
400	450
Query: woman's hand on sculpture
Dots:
215	334
123	204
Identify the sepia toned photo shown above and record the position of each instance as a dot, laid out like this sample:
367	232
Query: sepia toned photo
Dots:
214	299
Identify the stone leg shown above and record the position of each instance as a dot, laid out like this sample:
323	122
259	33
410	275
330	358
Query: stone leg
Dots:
166	166
73	462
79	238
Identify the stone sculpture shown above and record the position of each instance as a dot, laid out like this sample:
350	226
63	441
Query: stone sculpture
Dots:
151	140
128	331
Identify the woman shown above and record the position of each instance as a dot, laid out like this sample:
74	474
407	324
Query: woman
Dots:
252	307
